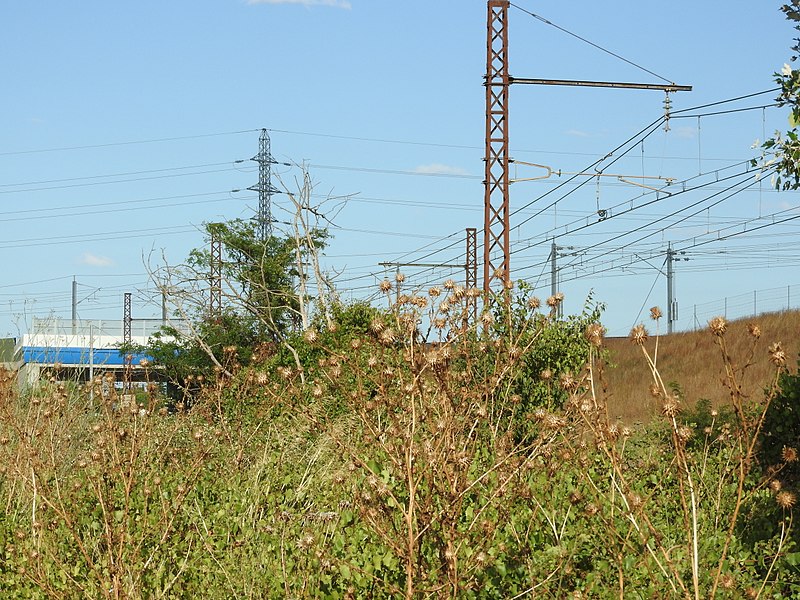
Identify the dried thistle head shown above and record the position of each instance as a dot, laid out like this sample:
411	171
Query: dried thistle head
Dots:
449	284
684	433
399	277
387	336
385	286
376	326
754	330
775	485
546	375
718	326
639	335
789	454
310	335
655	313
568	381
594	334
487	318
671	407
777	354
434	292
534	303
727	582
786	499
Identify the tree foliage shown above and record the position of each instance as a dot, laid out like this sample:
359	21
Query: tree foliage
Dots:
261	307
782	152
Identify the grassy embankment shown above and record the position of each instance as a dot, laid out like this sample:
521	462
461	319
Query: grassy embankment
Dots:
692	361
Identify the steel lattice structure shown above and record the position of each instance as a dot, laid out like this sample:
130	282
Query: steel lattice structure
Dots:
126	319
496	250
264	186
471	267
215	278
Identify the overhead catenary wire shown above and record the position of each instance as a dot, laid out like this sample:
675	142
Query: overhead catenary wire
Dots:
597	46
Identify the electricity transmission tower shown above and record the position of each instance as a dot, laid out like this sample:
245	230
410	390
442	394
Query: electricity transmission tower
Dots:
264	186
215	277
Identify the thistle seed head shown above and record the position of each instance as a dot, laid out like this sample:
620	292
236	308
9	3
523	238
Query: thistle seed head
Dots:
789	454
639	335
718	326
727	582
568	382
376	326
594	334
786	499
385	286
655	313
671	407
777	354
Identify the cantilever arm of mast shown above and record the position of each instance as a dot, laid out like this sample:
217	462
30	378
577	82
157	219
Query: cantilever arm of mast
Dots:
669	87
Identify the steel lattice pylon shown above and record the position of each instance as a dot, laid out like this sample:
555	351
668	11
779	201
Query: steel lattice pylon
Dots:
215	277
264	186
496	249
126	319
471	267
127	339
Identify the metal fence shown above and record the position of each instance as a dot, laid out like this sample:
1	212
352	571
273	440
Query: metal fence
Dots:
741	306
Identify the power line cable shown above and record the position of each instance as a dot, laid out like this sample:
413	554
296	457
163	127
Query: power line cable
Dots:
576	36
127	143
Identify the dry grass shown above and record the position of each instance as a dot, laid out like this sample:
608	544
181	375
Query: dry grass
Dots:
693	362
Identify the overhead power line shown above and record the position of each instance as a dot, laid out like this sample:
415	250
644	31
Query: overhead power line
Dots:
126	143
576	36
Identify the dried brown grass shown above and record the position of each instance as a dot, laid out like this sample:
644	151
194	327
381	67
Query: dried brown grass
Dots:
692	361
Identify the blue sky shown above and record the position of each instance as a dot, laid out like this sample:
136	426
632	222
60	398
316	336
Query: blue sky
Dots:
121	125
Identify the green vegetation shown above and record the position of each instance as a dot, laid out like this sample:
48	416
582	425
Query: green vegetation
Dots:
400	462
404	452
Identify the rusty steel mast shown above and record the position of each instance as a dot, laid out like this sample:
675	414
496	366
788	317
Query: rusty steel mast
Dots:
496	250
496	231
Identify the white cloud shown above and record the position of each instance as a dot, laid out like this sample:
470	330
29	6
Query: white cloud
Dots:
685	132
334	3
95	261
578	133
439	169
